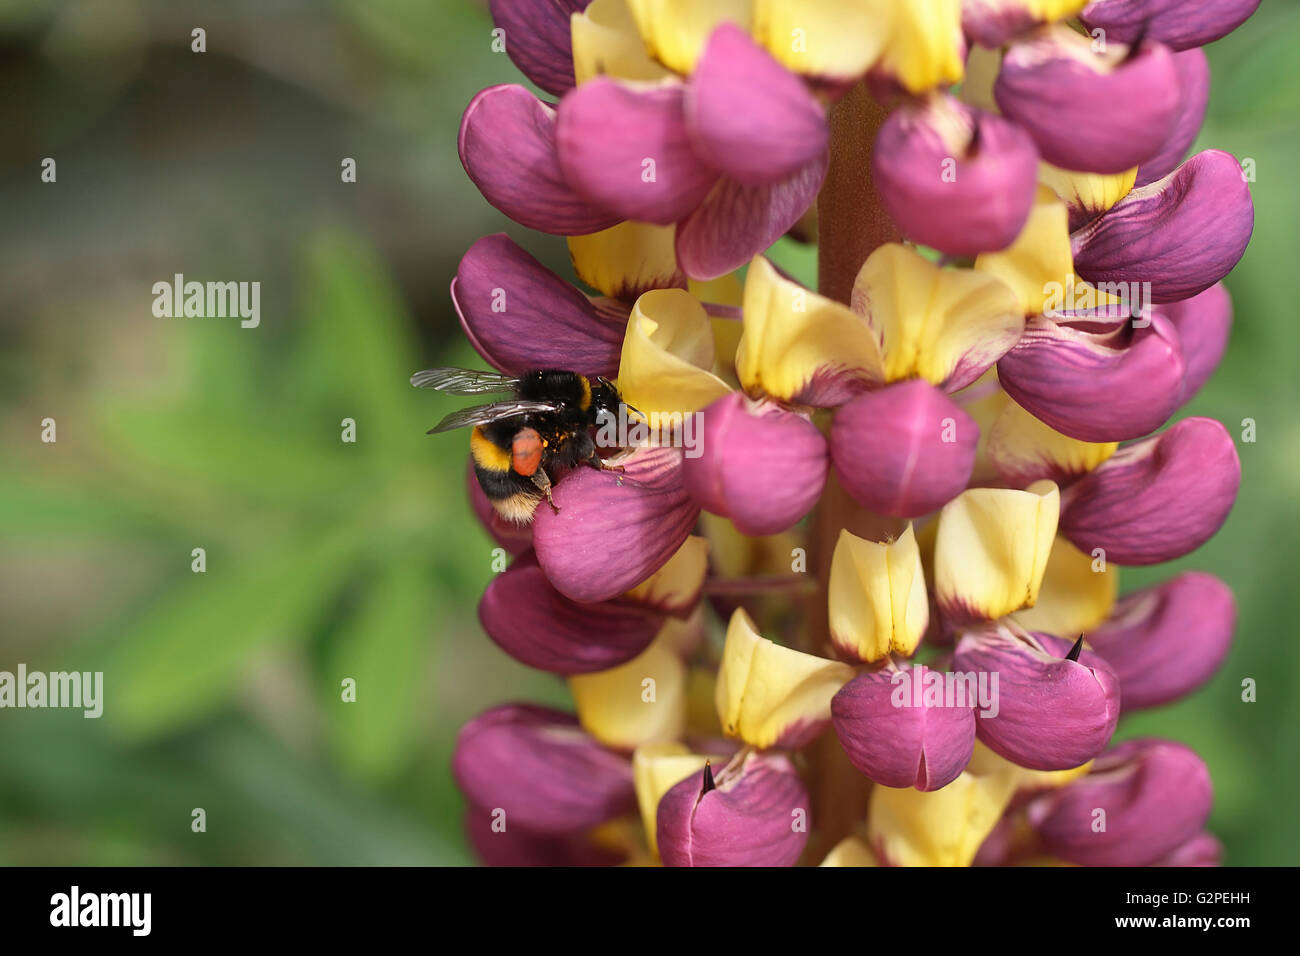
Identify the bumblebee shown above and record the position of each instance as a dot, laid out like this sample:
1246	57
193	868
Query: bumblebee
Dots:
544	427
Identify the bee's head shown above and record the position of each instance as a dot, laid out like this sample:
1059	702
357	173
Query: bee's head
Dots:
605	397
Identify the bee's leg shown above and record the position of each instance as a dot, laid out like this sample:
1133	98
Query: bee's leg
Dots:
543	482
601	464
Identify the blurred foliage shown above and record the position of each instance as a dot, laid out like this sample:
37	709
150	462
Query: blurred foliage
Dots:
328	560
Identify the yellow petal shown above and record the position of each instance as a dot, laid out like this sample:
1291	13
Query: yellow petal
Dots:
675	31
793	336
729	291
986	763
933	322
735	555
667	352
769	694
1039	263
656	769
1077	594
839	40
1091	191
851	851
701	715
877	596
675	587
642	701
625	260
606	41
982	68
926	47
1025	449
940	828
991	549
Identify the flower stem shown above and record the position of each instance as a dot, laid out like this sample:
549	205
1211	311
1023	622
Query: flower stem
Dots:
851	223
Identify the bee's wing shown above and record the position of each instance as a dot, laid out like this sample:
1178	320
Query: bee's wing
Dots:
482	414
464	381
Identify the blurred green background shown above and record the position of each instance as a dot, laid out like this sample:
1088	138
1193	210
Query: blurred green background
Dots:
328	560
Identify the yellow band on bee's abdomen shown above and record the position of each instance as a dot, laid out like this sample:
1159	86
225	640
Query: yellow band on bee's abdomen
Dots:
487	454
585	402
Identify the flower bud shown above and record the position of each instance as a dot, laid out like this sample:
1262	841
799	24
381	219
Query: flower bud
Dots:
754	813
904	450
899	732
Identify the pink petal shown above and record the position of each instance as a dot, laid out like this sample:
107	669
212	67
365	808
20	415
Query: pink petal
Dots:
1111	384
954	177
1156	795
1157	499
904	450
893	737
1181	234
749	819
1203	323
507	145
1052	713
736	222
542	769
520	316
1194	96
515	846
536	625
539	40
761	466
614	530
1166	641
1176	23
749	117
1087	114
627	149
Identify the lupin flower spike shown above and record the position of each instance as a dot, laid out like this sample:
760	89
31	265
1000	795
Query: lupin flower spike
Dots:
944	449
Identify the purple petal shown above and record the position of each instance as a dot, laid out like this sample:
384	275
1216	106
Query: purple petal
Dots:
904	450
1094	377
539	40
1203	323
628	149
614	529
954	177
749	116
1181	234
515	846
1176	23
542	769
991	23
736	222
521	316
507	145
1194	89
1204	849
894	737
1157	499
748	819
537	625
1084	112
759	465
1166	641
1050	713
1156	795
